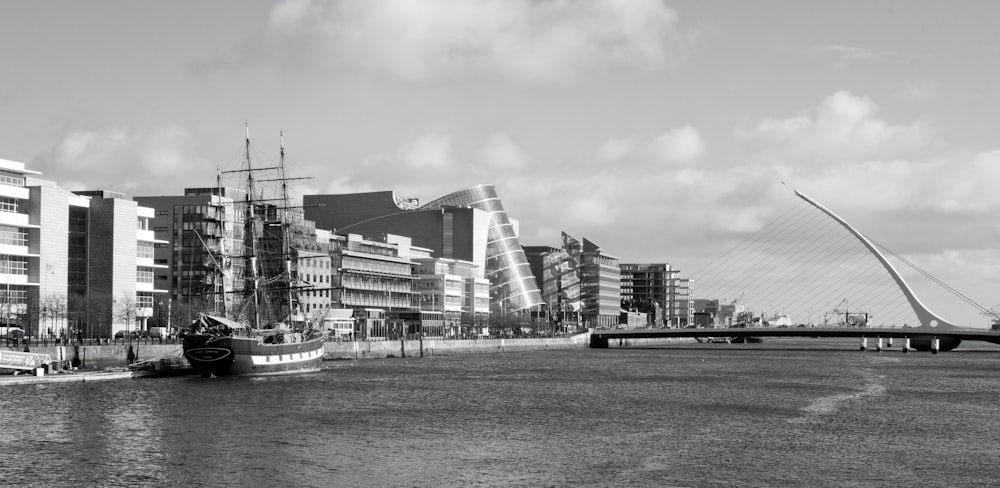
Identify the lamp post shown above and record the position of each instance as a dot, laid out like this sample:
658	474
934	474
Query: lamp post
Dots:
6	297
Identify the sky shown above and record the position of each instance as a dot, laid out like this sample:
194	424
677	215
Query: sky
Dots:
663	131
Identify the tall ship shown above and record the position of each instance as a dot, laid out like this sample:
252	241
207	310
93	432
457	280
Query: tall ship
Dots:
258	330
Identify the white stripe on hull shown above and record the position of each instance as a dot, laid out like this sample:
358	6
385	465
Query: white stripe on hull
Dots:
276	359
276	364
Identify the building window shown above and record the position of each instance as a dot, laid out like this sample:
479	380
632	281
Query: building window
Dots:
10	178
13	265
13	236
13	296
8	204
144	250
144	275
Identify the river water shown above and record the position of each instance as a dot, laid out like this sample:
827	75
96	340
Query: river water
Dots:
782	413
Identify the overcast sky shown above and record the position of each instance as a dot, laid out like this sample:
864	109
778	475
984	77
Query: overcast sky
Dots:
660	130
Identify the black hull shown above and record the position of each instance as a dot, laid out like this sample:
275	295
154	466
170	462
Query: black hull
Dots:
212	355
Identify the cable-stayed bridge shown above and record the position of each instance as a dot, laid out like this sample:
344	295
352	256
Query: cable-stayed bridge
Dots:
810	273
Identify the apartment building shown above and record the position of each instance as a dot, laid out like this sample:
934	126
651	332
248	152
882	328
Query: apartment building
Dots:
73	262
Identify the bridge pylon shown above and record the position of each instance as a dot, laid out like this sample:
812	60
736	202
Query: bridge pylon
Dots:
929	321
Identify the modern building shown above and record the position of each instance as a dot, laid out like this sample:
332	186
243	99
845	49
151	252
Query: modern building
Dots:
73	262
458	291
370	277
580	283
205	253
468	225
121	265
544	264
315	283
648	287
680	304
707	312
201	230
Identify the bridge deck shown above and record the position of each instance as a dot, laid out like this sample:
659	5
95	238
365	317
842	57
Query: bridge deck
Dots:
873	332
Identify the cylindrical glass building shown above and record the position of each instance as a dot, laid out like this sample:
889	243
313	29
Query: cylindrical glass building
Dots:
512	286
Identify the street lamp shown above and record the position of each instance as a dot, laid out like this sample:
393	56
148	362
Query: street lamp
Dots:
6	298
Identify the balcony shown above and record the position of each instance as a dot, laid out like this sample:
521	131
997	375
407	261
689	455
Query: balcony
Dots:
15	220
18	192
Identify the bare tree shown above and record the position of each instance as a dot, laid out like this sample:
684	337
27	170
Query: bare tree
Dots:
125	308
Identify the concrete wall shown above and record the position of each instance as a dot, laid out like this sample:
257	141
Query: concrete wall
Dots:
107	356
116	355
388	349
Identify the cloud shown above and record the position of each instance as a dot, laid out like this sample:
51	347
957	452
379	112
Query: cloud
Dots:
843	128
428	152
844	57
918	91
679	198
901	182
522	40
141	161
680	145
501	153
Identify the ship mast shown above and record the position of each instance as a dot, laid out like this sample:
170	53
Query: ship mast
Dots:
250	237
221	266
285	220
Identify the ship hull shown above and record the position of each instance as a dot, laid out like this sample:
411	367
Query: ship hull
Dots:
212	355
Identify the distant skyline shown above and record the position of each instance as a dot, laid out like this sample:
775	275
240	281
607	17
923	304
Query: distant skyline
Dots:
660	130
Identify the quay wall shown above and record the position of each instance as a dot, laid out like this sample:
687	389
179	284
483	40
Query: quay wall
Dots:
102	356
438	347
117	355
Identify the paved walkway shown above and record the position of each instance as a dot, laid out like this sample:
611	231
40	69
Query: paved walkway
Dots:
64	377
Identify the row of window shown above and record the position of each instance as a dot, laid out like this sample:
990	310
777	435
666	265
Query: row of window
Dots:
13	296
145	250
315	293
355	263
13	265
144	275
364	283
13	236
369	299
8	204
320	263
10	178
314	278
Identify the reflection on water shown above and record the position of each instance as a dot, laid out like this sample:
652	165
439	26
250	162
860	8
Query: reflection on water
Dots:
719	415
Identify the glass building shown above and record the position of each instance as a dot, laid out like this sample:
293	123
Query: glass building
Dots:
513	286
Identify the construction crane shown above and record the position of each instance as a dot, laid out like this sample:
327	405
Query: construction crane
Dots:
856	319
994	315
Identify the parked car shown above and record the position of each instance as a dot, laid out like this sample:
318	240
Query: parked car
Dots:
11	333
132	334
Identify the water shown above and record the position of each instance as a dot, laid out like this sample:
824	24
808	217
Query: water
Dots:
774	414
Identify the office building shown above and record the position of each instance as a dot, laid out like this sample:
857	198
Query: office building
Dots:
73	262
581	284
468	225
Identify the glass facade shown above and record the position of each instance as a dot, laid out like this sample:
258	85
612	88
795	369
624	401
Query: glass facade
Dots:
513	286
